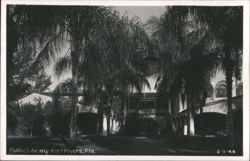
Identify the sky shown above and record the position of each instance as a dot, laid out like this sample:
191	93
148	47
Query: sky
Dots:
142	12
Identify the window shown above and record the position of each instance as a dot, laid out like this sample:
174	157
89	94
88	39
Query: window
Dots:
221	89
147	107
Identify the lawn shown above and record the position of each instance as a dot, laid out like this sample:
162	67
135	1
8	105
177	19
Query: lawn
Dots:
123	145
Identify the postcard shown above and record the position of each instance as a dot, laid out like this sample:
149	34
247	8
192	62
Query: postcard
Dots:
124	80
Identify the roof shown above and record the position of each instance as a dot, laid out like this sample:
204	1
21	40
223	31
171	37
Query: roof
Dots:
34	98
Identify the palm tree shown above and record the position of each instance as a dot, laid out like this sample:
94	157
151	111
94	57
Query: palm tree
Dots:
176	68
225	24
81	32
228	28
80	28
112	46
120	60
119	85
197	73
62	25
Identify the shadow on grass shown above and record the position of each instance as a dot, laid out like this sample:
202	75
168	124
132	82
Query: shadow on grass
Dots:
169	145
125	145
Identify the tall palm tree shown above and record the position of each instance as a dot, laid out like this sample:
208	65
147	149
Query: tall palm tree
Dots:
84	25
197	73
227	26
120	60
111	46
225	23
176	67
48	29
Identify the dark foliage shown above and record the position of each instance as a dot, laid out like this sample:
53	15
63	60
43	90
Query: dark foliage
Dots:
139	125
86	123
12	122
58	118
28	120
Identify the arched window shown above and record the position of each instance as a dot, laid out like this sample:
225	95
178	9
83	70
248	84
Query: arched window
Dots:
239	89
221	89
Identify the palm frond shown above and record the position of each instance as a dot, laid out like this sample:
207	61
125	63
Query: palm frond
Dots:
62	65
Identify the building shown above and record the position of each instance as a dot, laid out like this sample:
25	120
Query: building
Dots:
184	123
214	111
148	105
35	98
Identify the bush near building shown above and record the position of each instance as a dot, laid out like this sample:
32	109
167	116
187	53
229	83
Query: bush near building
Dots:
137	124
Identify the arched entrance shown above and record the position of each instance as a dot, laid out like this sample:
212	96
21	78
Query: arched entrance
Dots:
213	124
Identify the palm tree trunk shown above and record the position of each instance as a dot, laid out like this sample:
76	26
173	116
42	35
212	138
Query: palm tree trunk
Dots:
228	63
201	122
73	118
190	117
97	119
202	115
99	126
108	120
124	113
127	108
108	125
74	94
173	124
229	126
172	121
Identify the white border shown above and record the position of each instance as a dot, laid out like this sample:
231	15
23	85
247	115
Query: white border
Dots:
246	97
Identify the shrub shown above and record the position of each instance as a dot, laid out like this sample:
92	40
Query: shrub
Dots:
138	125
58	116
26	120
132	125
12	121
86	122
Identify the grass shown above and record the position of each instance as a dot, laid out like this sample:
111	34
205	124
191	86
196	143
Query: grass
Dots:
124	145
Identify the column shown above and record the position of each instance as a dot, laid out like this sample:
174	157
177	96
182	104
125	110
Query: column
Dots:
104	125
234	86
191	126
169	106
180	103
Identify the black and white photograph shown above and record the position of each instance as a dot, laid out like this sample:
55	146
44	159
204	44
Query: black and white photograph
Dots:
100	80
